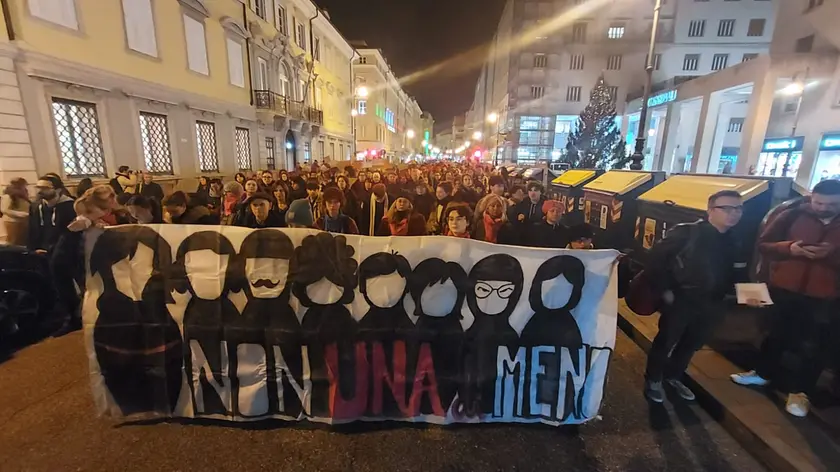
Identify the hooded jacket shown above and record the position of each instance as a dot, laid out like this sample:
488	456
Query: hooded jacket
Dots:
48	223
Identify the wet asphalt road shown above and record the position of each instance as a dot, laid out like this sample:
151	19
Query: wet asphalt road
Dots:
47	424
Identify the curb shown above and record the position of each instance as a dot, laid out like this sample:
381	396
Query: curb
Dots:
773	441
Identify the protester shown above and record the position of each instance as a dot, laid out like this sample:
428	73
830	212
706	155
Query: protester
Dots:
693	268
423	201
299	214
438	218
402	220
313	197
124	180
332	219
183	212
580	236
266	182
549	232
459	219
203	186
298	189
491	224
280	200
99	207
214	198
496	185
466	192
517	194
233	206
251	187
49	215
14	208
372	210
802	245
240	178
261	214
84	185
144	210
349	206
149	188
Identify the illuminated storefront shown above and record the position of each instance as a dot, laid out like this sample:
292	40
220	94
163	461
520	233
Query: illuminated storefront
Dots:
828	159
776	152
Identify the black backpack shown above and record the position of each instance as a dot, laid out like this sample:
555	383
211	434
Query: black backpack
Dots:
115	184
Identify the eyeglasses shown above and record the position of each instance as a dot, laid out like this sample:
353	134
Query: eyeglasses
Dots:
484	290
730	208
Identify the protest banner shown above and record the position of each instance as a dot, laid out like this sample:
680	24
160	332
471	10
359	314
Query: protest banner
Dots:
295	324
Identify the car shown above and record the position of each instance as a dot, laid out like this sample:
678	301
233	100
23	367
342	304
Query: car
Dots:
27	296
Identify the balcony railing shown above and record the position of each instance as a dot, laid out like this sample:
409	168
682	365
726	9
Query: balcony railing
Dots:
281	104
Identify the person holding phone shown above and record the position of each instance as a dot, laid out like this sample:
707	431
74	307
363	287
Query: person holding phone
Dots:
802	246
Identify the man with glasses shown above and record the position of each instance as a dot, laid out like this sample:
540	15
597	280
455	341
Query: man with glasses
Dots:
802	247
693	268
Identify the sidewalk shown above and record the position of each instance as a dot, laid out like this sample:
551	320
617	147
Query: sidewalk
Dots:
755	417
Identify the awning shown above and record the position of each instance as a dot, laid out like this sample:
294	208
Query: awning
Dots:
618	182
693	191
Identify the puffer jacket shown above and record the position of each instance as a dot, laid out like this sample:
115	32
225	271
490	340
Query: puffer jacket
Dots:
812	278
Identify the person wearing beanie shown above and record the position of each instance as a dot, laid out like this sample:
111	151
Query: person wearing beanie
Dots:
299	214
233	207
402	220
549	232
580	237
374	209
332	218
261	214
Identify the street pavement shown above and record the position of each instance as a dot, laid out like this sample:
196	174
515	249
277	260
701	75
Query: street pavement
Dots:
47	423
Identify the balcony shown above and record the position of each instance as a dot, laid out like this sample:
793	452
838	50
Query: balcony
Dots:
282	105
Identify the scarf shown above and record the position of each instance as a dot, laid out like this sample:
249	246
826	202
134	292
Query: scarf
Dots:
399	228
466	234
491	228
373	222
230	203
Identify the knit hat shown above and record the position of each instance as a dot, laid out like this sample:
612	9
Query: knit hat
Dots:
379	190
259	196
549	204
581	231
300	213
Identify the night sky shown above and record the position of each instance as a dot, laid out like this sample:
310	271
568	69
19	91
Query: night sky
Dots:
417	34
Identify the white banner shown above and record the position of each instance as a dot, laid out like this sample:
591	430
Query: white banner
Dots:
240	324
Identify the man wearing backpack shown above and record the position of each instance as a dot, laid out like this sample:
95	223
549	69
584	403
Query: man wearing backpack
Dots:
802	247
124	181
693	268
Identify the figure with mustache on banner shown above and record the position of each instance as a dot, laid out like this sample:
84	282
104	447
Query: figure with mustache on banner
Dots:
269	325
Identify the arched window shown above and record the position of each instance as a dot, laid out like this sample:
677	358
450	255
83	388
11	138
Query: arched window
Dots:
283	76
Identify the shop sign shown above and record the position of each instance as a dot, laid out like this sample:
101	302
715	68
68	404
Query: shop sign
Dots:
782	144
830	142
662	98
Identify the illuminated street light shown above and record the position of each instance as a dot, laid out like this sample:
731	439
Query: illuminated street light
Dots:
409	134
424	143
795	88
477	136
493	117
354	112
466	144
362	91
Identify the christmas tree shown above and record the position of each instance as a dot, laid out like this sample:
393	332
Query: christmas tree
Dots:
596	142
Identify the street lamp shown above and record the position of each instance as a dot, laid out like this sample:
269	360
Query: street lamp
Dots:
477	136
494	118
638	156
797	87
362	91
424	143
409	134
354	113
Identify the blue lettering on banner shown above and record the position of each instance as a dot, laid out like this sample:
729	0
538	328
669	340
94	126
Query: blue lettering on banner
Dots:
830	143
788	144
662	98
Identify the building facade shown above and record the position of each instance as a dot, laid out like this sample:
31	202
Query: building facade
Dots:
388	121
777	114
178	88
547	56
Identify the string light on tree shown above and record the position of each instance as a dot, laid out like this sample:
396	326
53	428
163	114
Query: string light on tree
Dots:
596	142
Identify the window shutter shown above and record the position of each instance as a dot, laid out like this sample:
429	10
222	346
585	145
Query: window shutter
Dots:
196	45
235	67
140	26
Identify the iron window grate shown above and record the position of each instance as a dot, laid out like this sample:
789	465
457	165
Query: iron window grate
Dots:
154	134
243	148
269	158
206	140
77	130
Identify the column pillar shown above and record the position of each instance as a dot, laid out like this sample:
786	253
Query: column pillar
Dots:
16	156
720	135
665	157
705	133
755	124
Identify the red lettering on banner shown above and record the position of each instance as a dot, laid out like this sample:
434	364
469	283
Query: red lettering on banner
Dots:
425	370
396	382
339	407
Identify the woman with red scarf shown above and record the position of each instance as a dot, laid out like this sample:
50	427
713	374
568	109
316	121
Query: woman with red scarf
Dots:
402	220
458	220
491	224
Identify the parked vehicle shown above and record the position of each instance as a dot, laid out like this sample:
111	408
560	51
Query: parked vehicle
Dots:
27	296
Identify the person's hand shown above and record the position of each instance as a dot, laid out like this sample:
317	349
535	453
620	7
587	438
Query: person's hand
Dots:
754	303
796	250
40	251
521	217
820	251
